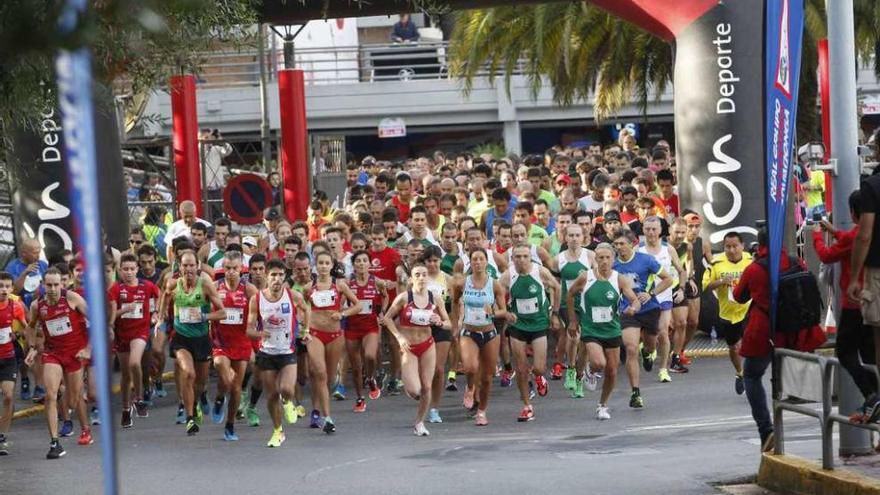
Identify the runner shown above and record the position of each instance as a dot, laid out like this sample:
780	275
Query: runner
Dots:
533	308
641	269
569	264
211	253
327	346
481	298
301	282
384	261
553	244
247	409
594	317
680	310
132	313
12	314
669	261
702	256
192	296
232	348
60	316
272	318
726	270
438	284
362	330
418	313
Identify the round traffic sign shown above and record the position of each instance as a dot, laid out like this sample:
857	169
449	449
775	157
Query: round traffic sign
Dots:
245	198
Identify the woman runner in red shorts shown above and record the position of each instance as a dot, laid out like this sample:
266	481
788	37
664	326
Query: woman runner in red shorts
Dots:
362	330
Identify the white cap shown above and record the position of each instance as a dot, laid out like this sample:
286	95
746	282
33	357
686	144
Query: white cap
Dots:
249	241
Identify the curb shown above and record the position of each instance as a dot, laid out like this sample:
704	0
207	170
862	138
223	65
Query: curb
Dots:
791	474
39	408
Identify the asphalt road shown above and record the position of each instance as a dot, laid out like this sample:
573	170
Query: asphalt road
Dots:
693	434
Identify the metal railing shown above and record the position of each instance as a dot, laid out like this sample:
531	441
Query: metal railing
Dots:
826	416
335	65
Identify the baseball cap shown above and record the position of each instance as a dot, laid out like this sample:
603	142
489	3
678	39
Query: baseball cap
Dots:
563	178
272	214
249	241
612	216
693	219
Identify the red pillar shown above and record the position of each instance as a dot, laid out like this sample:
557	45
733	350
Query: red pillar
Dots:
825	97
185	141
294	143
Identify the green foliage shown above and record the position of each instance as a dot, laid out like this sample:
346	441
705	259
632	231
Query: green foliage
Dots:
494	148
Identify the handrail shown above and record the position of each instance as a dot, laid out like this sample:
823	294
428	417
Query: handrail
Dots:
826	416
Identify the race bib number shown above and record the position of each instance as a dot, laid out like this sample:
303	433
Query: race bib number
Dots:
421	317
527	306
366	307
322	298
602	314
135	311
190	314
234	316
5	335
476	315
59	326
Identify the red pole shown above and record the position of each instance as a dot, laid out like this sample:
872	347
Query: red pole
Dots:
294	143
185	141
825	95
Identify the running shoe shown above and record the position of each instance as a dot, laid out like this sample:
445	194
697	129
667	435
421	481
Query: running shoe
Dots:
419	430
199	415
245	396
4	446
39	395
677	367
450	382
507	377
56	451
229	435
395	387
663	376
203	403
592	381
578	392
289	412
375	390
636	401
527	414
127	421
360	405
66	428
684	360
277	439
141	409
329	425
181	415
556	371
739	385
26	388
570	378
542	385
218	412
148	396
85	437
315	419
434	416
160	389
468	401
647	358
339	391
481	419
602	412
872	409
191	427
472	412
253	417
300	411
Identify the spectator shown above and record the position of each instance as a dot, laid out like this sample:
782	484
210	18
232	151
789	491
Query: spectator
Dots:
854	338
182	227
213	152
275	184
404	30
756	347
27	270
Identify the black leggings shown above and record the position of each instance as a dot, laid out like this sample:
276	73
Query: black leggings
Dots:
855	339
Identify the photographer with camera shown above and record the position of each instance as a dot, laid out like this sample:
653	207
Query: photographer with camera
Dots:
214	150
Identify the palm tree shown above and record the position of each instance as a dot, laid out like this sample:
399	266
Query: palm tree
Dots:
582	51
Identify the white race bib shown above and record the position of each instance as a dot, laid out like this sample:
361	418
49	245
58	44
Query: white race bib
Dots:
421	317
136	310
5	335
234	316
322	298
602	314
190	314
527	306
366	307
59	326
476	315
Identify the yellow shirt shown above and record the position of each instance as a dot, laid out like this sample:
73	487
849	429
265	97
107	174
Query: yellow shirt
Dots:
816	195
728	309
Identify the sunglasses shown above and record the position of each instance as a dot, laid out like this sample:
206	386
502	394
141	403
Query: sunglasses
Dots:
133	241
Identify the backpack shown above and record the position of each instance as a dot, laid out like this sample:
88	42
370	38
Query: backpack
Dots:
799	303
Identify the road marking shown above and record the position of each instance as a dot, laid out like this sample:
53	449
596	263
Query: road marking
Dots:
337	466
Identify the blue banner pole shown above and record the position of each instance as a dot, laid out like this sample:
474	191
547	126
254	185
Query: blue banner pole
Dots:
74	77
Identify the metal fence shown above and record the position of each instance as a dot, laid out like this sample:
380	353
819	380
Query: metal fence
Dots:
793	401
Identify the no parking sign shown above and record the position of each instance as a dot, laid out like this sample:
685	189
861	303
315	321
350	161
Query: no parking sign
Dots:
245	198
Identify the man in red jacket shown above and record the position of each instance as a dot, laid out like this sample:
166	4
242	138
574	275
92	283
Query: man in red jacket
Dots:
854	338
757	342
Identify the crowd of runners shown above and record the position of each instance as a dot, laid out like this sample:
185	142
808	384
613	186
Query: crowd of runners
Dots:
447	275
